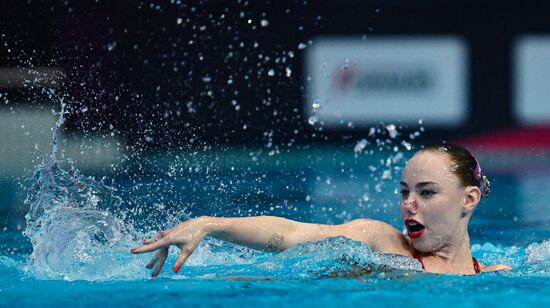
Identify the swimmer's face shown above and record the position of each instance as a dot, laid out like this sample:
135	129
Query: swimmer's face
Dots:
433	196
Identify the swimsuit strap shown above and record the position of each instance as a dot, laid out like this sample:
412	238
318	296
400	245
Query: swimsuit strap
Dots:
476	266
418	257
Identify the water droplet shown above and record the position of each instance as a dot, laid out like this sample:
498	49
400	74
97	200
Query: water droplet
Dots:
313	120
302	46
271	73
111	46
392	131
288	72
372	131
360	146
190	107
264	23
179	20
206	78
316	104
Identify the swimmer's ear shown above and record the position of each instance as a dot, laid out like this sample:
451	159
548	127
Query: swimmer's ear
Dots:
472	197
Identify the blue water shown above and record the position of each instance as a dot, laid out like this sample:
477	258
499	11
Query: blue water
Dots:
79	229
295	278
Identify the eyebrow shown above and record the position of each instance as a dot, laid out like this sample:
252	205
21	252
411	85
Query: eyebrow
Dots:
420	184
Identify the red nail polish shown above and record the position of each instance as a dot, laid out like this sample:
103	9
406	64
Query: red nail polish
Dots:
154	275
177	269
132	250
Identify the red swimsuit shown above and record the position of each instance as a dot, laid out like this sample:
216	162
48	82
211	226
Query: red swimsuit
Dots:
418	257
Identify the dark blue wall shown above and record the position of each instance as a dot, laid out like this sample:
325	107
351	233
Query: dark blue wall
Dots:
132	66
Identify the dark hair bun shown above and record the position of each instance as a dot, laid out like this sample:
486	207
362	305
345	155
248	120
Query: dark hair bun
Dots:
485	186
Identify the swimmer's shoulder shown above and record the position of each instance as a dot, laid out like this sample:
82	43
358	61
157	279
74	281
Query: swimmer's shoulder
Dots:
378	235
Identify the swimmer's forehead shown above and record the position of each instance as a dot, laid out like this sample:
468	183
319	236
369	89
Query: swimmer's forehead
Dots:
429	167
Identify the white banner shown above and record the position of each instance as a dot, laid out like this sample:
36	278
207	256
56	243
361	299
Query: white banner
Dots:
387	79
532	79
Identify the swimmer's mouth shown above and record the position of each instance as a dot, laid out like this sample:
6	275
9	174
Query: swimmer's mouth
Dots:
414	228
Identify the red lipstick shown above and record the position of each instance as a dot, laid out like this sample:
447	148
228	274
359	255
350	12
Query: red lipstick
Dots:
414	228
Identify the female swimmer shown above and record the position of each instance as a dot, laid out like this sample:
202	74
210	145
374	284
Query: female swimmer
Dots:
441	186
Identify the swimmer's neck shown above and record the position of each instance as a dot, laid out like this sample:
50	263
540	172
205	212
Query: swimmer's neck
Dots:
457	251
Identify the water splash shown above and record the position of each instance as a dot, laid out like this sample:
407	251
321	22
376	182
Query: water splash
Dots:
533	260
70	222
335	257
332	257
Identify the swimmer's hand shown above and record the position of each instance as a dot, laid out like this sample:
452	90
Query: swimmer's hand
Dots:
496	267
186	236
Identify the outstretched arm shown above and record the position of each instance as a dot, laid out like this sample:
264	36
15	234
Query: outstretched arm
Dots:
276	234
268	232
262	232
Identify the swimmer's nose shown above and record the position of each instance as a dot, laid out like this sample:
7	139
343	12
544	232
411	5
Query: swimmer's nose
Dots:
411	205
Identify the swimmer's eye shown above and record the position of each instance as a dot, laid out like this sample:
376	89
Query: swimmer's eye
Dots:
427	193
404	194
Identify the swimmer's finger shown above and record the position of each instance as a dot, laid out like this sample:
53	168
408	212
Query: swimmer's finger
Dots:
148	241
160	235
157	237
153	261
163	254
151	247
182	257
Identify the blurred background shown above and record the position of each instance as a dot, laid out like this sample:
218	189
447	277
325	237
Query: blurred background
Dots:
277	107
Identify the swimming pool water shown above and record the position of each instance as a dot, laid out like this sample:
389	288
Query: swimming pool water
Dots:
77	261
